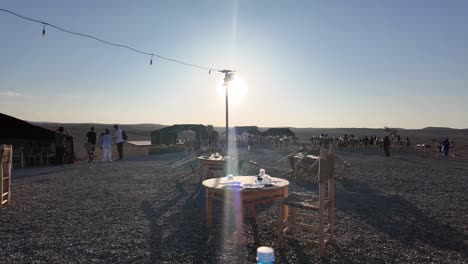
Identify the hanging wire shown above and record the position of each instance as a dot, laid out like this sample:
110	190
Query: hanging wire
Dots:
107	42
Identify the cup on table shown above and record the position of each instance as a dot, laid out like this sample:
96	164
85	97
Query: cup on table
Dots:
266	179
262	172
230	177
254	180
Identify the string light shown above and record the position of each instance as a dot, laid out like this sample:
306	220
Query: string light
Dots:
109	43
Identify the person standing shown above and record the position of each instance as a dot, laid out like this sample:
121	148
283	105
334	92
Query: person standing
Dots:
250	143
91	139
106	146
119	140
452	148
60	138
446	147
386	146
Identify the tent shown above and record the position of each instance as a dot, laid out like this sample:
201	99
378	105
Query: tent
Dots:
240	130
279	132
13	128
29	137
168	135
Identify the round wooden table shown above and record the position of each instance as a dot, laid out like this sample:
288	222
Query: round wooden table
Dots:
239	196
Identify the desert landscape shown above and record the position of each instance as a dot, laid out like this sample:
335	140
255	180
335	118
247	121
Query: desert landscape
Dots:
141	132
403	209
234	131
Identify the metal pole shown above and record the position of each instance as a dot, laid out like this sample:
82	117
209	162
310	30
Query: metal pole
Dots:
228	74
227	115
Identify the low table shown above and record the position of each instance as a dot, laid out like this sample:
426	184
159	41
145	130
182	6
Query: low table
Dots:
221	189
210	163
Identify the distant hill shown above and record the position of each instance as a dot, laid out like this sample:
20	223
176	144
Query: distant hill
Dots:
138	132
143	131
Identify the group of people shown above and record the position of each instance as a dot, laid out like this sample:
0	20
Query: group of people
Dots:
105	143
354	142
447	147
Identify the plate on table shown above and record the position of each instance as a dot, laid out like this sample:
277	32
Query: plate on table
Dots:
232	183
252	186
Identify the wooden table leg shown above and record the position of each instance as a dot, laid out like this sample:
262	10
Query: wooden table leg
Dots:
208	207
239	209
280	223
251	210
285	209
202	171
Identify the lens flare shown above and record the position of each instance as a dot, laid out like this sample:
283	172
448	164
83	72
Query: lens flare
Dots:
237	89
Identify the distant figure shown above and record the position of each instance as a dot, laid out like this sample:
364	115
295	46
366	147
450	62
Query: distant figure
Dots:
91	139
408	143
119	140
250	143
446	147
187	145
106	146
386	145
60	138
452	148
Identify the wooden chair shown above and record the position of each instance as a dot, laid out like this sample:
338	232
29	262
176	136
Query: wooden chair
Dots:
35	158
18	158
48	156
213	170
5	173
320	206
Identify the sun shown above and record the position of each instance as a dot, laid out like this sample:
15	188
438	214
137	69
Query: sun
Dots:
237	90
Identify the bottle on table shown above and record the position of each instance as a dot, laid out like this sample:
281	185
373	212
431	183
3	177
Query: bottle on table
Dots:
261	175
265	255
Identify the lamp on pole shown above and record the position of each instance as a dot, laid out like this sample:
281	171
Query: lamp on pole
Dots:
228	76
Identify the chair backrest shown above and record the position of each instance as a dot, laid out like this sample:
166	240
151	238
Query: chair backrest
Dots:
326	167
5	173
5	152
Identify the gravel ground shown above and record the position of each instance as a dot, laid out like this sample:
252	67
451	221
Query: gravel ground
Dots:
402	209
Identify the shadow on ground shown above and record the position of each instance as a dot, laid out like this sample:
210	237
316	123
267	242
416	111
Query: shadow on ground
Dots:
397	217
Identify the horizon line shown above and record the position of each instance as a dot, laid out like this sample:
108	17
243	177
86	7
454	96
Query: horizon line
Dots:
222	126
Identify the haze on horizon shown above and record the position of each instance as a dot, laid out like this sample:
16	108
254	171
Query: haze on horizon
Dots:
306	63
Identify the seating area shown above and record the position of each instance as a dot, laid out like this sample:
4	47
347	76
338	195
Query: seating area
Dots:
33	156
316	212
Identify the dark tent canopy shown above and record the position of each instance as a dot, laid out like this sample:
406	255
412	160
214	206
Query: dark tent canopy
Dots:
279	132
13	128
30	138
239	130
168	135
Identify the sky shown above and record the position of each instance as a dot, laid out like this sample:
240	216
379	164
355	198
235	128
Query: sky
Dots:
306	63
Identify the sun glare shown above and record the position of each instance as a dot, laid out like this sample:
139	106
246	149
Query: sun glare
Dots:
237	90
